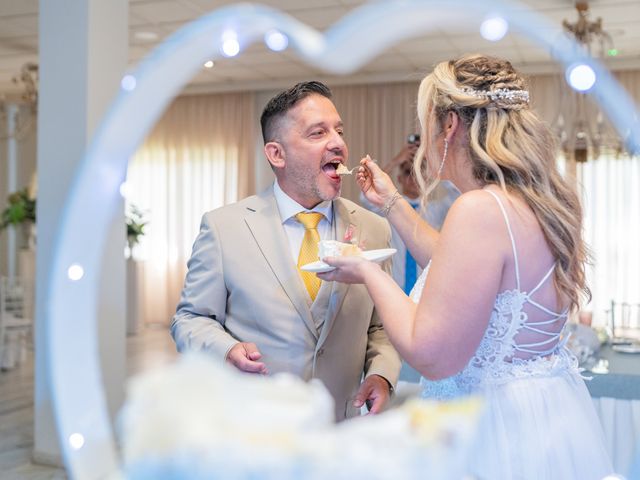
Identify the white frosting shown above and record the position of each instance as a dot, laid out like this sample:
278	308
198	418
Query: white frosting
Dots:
197	419
332	248
342	170
202	403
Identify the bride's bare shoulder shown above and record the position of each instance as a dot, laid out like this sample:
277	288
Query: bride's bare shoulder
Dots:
475	207
474	233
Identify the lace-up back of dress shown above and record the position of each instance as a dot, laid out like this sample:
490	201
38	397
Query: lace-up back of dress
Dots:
522	332
533	328
523	337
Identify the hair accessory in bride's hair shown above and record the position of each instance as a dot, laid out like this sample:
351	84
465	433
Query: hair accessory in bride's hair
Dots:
500	94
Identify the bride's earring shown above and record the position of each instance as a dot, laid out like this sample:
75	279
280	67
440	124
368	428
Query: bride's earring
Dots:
444	157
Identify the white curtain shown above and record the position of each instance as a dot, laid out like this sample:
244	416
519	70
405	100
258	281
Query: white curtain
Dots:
199	157
611	199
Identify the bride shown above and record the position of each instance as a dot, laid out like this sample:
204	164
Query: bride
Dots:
500	279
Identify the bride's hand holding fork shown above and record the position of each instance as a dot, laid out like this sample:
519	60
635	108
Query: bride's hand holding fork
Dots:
376	185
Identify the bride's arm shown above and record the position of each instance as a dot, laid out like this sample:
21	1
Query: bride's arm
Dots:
419	237
460	291
378	188
441	333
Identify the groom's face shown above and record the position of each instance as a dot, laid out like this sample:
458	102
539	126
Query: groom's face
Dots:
313	144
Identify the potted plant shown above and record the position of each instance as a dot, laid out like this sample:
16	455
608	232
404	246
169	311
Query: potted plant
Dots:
135	225
21	210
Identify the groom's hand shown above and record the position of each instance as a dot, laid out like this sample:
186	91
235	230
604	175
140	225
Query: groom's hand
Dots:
375	392
244	356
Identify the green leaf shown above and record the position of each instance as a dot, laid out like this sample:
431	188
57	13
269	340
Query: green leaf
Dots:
20	209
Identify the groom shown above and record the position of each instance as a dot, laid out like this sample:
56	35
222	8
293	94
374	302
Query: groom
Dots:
244	298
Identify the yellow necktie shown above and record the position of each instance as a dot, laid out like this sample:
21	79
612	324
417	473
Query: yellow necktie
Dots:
309	250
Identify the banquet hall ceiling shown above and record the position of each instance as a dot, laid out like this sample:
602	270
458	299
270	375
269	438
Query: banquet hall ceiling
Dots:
257	68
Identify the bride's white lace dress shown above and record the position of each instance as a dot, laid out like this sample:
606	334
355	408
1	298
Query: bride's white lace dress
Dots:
540	422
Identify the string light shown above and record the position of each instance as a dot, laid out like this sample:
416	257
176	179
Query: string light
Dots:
581	77
230	45
75	272
276	41
76	440
128	83
494	28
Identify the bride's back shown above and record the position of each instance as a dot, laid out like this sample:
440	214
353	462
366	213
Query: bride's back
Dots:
529	270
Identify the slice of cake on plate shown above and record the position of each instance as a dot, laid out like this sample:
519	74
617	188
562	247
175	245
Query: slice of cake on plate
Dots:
334	248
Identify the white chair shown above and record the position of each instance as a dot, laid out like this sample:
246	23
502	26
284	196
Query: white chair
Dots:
16	322
624	321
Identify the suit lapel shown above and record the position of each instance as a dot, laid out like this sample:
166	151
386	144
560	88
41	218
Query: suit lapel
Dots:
343	219
266	227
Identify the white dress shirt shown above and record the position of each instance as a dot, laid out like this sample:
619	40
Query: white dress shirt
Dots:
294	230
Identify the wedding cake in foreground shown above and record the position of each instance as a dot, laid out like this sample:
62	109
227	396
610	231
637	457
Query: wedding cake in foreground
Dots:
196	419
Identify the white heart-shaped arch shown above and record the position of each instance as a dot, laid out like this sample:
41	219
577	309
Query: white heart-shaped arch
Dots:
78	395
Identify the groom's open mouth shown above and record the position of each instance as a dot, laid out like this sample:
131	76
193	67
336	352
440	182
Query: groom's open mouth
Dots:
329	169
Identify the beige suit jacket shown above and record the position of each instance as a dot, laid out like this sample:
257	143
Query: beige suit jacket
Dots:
242	286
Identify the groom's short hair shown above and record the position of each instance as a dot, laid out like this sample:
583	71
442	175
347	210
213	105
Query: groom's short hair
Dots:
279	105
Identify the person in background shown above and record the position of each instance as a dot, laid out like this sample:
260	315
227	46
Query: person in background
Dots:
246	299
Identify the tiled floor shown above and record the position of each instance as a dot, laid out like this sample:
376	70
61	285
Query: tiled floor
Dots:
151	347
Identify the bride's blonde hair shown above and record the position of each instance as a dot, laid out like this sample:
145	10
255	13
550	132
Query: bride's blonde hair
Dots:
509	146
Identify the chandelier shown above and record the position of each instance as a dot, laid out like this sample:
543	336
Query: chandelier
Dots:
580	125
28	77
22	112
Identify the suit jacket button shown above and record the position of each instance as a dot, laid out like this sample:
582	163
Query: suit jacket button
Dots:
320	352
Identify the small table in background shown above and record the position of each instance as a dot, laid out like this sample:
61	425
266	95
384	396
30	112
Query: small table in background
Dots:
616	396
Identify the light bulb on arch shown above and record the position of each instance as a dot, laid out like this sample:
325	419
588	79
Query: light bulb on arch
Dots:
494	28
128	83
75	272
230	45
76	440
276	40
581	77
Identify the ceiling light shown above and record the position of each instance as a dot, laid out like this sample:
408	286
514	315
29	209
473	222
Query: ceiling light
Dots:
209	64
580	124
29	79
586	32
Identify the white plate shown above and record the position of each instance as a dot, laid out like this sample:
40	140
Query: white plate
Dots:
374	255
634	348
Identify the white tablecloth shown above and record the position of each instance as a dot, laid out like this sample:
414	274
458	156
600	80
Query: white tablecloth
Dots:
621	424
